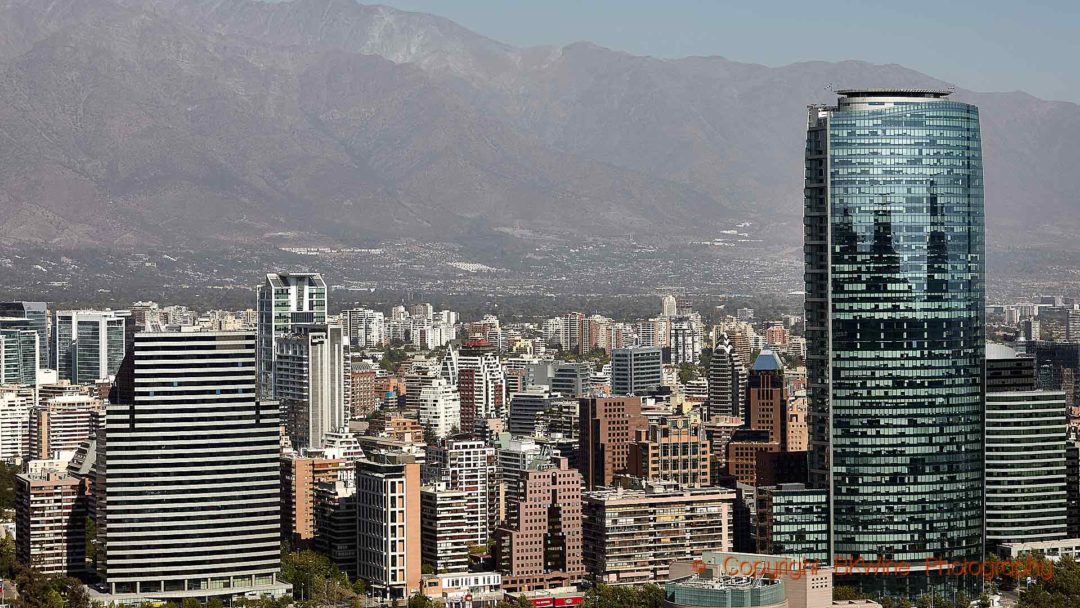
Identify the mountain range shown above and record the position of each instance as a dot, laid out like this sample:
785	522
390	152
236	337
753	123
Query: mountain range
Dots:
144	123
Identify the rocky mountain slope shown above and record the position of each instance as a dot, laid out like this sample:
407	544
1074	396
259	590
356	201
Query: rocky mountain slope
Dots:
192	122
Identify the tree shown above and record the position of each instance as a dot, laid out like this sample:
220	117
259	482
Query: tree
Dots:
215	602
844	593
35	590
8	563
79	597
190	602
304	567
1062	590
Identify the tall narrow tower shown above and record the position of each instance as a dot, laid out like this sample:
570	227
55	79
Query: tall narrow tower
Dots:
285	300
894	323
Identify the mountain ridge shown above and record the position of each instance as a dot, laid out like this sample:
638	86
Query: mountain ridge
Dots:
134	123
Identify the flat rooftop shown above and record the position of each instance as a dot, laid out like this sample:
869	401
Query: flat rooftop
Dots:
929	93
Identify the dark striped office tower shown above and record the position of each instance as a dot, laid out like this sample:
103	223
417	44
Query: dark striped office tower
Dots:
188	472
895	330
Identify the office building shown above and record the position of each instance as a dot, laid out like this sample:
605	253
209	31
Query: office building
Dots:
188	482
50	523
88	344
527	406
767	404
284	301
727	381
672	449
516	456
793	520
388	553
37	316
1026	453
539	545
19	350
571	380
309	376
636	370
895	311
608	426
440	408
1072	486
633	536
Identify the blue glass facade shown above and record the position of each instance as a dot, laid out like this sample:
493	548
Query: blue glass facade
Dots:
895	331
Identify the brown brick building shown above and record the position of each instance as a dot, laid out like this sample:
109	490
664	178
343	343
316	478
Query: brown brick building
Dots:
540	545
299	477
608	427
673	448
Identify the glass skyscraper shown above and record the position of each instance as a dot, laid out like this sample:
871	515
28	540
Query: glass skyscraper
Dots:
894	325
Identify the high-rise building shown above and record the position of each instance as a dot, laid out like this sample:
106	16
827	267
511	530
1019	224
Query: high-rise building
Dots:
188	484
571	380
1072	487
444	528
285	300
88	344
792	520
365	398
539	545
1026	443
636	370
37	316
50	523
14	426
363	328
767	401
309	381
19	356
481	384
61	423
608	426
467	465
685	341
388	552
672	449
440	408
633	536
895	327
335	522
422	372
669	306
526	406
300	476
727	381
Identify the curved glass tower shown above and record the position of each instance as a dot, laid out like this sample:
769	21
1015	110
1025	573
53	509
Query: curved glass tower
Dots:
894	323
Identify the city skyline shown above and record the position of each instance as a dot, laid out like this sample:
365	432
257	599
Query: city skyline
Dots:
314	303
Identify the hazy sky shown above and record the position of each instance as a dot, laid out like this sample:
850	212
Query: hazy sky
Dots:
989	45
